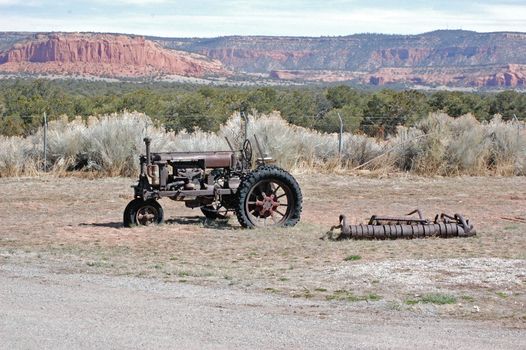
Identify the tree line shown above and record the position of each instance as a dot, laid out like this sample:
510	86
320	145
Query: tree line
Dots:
183	106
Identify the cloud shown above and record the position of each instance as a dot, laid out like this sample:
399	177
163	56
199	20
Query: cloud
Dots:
502	12
12	2
243	17
134	2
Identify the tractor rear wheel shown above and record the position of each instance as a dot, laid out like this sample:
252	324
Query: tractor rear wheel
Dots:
268	196
143	213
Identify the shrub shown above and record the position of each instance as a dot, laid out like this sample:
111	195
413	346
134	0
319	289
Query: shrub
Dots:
15	156
443	145
438	144
435	298
352	258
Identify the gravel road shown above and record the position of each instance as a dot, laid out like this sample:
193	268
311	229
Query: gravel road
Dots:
41	309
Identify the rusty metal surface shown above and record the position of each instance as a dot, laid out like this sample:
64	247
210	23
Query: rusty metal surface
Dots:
213	180
219	159
406	227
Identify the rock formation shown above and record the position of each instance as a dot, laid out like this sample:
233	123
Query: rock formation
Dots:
103	55
448	57
445	57
510	76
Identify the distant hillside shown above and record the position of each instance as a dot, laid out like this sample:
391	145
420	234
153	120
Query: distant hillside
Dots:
100	55
451	57
8	39
446	57
362	52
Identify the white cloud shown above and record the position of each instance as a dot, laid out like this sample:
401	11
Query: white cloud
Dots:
134	2
505	14
11	2
26	3
273	22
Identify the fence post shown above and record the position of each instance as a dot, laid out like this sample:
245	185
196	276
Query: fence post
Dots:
45	142
516	120
340	138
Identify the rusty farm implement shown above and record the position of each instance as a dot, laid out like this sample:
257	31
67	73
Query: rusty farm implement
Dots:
387	227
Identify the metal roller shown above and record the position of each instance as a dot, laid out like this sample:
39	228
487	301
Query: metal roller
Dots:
408	227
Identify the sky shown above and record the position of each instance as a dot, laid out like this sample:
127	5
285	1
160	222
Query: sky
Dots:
209	18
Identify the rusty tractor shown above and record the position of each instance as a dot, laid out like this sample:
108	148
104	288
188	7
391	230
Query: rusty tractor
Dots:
217	182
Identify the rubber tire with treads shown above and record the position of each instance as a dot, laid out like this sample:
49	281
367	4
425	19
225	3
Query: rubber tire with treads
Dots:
268	173
268	166
130	213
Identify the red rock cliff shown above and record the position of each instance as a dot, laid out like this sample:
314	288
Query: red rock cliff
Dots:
103	54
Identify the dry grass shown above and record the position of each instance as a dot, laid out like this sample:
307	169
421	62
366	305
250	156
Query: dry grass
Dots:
439	145
447	146
16	157
74	224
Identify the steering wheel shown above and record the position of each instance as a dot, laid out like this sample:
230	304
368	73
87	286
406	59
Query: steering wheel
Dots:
247	151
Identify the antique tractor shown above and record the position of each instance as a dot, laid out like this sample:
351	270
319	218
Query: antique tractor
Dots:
216	182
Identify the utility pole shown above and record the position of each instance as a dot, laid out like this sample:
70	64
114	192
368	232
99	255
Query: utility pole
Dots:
45	142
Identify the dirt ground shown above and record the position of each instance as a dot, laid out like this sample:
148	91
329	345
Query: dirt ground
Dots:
73	226
44	310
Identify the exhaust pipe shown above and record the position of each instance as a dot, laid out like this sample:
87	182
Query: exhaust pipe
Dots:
150	170
147	142
146	163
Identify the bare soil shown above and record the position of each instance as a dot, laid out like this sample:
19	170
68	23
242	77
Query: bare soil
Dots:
44	310
73	226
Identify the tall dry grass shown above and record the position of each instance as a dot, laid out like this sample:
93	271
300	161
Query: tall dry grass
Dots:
439	144
443	145
296	147
17	156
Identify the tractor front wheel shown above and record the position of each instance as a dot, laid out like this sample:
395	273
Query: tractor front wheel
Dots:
143	213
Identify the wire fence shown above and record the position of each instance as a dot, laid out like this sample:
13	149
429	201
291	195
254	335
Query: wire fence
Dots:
239	136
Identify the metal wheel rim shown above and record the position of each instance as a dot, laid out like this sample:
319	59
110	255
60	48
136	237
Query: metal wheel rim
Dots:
262	211
146	215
